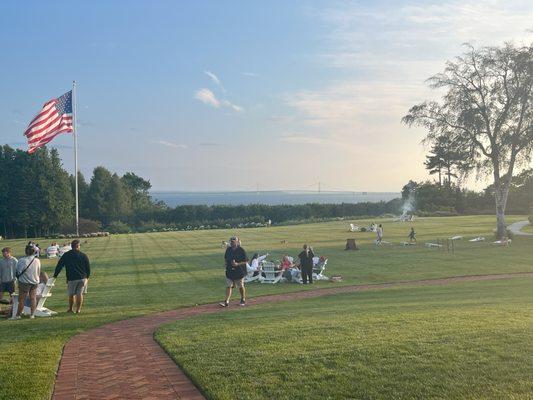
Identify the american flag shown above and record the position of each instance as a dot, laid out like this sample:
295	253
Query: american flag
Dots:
54	118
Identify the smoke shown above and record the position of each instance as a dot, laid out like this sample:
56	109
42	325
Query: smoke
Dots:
408	205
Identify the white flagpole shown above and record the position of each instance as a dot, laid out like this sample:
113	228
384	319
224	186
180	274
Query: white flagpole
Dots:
75	133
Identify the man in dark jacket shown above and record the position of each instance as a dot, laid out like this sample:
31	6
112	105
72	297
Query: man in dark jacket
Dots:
78	271
235	260
306	264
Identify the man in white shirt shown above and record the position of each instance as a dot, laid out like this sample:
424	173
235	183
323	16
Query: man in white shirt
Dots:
28	271
8	267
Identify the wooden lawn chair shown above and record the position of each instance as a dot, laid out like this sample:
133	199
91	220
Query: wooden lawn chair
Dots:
271	274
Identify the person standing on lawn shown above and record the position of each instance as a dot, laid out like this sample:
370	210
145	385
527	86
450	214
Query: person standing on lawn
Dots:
78	271
306	264
8	268
412	235
235	260
379	234
28	271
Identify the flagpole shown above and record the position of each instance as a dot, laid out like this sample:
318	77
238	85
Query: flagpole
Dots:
75	132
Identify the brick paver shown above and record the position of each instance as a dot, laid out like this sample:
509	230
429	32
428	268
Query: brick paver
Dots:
121	360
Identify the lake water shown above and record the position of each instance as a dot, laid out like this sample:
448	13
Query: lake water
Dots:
173	199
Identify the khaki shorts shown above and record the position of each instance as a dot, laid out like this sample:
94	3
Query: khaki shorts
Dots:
76	288
235	283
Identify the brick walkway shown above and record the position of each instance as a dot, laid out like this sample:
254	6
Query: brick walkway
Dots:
121	360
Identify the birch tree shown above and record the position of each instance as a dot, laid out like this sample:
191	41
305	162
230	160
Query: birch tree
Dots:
487	107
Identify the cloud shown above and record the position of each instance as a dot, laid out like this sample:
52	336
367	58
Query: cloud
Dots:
170	144
234	107
250	74
213	77
206	96
379	37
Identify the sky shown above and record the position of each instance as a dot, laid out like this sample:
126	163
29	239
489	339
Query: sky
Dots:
242	95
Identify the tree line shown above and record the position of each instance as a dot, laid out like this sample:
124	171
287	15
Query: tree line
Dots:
435	198
37	199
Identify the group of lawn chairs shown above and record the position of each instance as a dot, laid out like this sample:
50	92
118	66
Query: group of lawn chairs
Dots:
270	272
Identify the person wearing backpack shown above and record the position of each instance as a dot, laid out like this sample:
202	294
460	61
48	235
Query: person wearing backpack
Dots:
28	271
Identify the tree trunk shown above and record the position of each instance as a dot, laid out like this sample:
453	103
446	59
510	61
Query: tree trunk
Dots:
500	215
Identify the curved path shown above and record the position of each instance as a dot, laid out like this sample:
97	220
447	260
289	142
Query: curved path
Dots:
518	226
121	360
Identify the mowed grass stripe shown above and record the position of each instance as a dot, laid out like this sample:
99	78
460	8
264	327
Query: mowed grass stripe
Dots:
467	340
144	273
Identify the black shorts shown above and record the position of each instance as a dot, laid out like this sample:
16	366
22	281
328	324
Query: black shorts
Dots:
7	287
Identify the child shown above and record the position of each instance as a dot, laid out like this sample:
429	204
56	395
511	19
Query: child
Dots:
412	235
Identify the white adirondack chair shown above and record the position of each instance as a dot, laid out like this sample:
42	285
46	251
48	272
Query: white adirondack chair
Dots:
41	310
503	242
318	270
271	274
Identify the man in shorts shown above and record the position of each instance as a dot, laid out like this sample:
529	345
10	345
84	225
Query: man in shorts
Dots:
78	271
8	268
235	260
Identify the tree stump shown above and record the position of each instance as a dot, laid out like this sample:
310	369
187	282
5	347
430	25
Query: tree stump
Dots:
350	244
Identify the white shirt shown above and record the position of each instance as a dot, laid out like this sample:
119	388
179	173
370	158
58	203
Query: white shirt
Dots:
32	273
255	263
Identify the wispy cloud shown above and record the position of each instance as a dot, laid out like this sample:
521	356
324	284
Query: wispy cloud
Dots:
213	77
215	80
410	37
386	53
170	144
206	96
234	107
250	74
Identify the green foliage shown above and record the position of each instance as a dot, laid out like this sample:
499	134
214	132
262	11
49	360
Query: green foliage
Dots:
35	192
431	197
118	227
486	109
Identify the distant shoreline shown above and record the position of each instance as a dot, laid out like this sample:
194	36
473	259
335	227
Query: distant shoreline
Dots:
271	197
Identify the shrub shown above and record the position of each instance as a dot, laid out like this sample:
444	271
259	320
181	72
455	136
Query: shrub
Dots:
118	227
85	226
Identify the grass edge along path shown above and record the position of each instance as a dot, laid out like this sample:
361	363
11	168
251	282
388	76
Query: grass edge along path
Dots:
123	360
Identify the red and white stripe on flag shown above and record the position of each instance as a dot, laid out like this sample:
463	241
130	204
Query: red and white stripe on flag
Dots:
54	118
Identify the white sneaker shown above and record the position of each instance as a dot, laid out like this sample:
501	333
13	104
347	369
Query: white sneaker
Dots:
32	316
15	317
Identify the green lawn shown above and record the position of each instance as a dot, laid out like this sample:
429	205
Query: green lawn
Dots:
464	341
137	274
